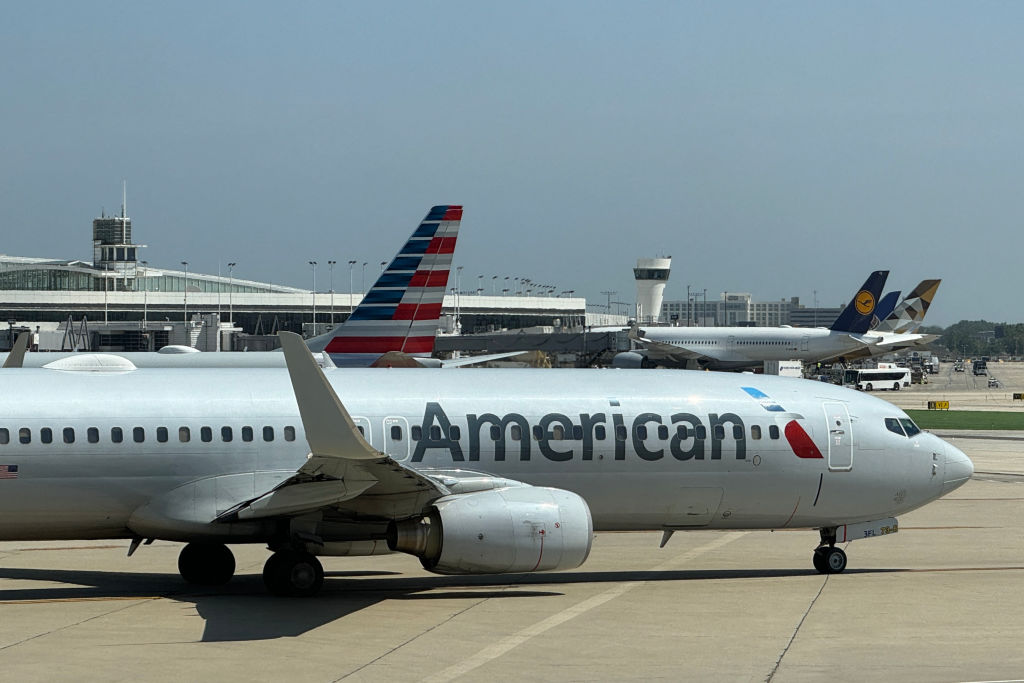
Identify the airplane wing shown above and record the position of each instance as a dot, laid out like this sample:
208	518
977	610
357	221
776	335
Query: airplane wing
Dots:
344	472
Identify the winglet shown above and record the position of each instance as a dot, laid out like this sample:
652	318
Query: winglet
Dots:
16	358
329	428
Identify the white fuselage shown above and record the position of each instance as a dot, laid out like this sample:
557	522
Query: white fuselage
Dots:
613	437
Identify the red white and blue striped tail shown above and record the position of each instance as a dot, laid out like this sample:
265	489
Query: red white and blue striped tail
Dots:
401	310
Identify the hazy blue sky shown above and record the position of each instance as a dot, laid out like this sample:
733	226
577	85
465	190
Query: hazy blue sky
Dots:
775	148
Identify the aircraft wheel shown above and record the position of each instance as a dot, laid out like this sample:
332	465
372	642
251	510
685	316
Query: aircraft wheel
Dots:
290	573
819	561
206	564
835	560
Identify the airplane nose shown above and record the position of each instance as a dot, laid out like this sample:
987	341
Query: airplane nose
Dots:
959	469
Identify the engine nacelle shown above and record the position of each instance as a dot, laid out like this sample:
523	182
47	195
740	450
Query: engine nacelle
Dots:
631	360
518	529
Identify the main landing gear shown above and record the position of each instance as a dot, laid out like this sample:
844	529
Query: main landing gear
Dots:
293	573
828	559
206	564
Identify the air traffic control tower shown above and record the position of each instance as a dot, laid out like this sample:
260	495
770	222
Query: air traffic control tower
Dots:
651	276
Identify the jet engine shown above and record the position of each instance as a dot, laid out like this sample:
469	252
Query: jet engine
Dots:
631	360
518	529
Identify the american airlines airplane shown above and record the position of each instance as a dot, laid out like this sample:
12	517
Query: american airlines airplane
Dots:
732	348
488	472
399	313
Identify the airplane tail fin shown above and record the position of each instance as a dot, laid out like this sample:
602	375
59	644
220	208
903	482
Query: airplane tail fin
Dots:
401	310
909	315
886	306
857	315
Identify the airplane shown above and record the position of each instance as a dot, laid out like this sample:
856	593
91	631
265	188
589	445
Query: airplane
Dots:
898	331
398	315
489	472
732	348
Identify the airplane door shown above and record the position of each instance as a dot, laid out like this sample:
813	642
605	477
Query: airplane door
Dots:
804	343
396	437
840	437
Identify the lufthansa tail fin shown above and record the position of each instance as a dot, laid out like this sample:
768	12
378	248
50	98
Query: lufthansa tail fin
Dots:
857	315
909	315
401	310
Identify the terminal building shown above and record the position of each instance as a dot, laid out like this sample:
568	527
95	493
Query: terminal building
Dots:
738	309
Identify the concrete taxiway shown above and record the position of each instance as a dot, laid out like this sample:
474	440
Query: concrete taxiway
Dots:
940	600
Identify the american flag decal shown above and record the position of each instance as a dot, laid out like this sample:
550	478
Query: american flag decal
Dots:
8	471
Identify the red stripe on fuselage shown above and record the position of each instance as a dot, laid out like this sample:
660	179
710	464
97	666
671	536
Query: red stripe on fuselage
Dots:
381	344
800	441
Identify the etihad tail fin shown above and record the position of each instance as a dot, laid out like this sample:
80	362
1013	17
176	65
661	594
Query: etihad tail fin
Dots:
886	306
909	314
401	310
857	315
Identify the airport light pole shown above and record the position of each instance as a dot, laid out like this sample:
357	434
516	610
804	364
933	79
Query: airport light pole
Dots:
609	294
330	265
362	284
145	292
313	264
350	266
231	286
185	264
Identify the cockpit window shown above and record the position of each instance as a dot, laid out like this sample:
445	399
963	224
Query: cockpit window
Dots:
893	425
908	424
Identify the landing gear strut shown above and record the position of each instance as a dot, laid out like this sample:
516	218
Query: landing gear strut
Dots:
206	564
293	573
828	559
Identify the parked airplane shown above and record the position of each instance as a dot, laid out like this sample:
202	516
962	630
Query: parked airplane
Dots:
909	315
488	472
399	314
726	348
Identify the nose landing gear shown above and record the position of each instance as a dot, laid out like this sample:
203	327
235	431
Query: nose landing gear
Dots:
828	559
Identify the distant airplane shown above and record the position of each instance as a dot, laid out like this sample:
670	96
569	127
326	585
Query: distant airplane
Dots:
898	331
399	314
729	348
487	472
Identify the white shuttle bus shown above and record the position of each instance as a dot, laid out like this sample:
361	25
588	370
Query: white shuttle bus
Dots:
894	378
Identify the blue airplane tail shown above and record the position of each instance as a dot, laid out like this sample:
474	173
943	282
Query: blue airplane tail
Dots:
885	307
858	314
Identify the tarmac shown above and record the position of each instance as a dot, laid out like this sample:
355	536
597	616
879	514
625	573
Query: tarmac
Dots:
939	601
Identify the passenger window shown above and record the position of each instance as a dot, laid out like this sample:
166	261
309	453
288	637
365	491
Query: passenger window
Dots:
69	435
396	433
416	433
641	432
599	432
557	433
184	434
620	433
161	434
662	432
701	432
755	432
517	433
116	435
538	433
5	437
246	433
138	434
682	432
911	428
893	425
495	433
93	435
268	433
719	432
455	433
25	435
225	434
737	432
773	431
289	433
577	432
205	434
435	433
46	435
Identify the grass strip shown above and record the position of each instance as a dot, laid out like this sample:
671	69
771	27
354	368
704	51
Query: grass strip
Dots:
967	419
